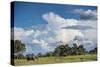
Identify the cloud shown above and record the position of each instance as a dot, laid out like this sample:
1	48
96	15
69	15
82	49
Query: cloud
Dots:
36	41
56	22
91	35
78	27
19	33
88	44
90	23
86	14
84	28
36	37
44	38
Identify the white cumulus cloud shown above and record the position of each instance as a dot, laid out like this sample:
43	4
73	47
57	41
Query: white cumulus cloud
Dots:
49	35
56	22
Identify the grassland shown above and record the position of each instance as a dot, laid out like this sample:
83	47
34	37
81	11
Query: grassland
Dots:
52	60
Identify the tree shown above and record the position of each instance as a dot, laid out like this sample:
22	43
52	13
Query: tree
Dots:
39	55
48	54
81	50
19	46
74	50
20	56
57	51
78	50
62	50
93	51
30	57
68	50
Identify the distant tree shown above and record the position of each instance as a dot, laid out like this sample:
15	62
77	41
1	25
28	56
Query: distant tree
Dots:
19	46
39	55
48	54
81	50
57	51
20	56
65	50
75	45
68	50
78	50
61	50
74	49
93	51
30	57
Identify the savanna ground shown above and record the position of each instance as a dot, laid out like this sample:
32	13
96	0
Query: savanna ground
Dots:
52	60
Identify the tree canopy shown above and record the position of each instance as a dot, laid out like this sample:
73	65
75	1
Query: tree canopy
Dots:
65	50
19	46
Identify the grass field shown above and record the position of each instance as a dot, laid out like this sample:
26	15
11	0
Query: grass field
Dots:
51	60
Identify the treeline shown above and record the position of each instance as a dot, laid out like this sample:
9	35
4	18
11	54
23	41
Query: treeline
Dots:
61	50
65	50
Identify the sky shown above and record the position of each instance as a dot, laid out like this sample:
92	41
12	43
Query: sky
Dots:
43	26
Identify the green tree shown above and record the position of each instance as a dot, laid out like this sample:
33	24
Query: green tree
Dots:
81	50
68	50
39	55
61	50
94	51
78	50
74	49
30	57
65	50
49	54
20	56
19	46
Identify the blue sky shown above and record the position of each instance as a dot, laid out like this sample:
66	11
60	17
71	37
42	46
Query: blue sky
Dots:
27	14
43	26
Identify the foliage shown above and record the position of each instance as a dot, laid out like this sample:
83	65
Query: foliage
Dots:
65	50
61	50
39	55
93	51
20	56
19	46
30	57
48	54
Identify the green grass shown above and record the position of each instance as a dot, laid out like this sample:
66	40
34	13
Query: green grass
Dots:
51	60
